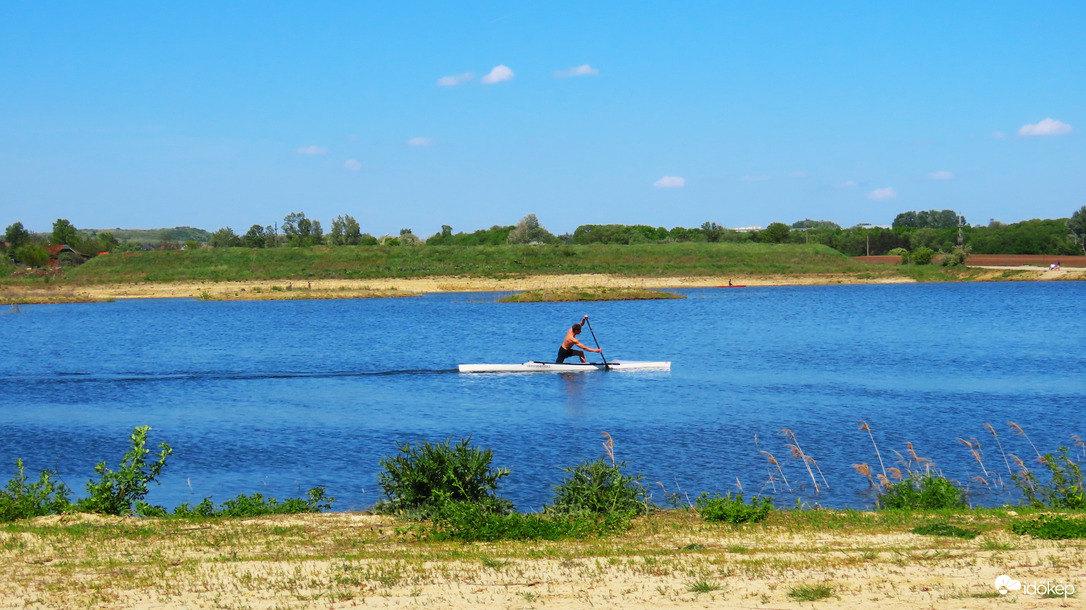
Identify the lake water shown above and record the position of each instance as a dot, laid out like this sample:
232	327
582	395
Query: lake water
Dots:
280	396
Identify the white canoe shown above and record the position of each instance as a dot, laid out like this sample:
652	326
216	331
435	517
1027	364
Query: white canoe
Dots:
566	367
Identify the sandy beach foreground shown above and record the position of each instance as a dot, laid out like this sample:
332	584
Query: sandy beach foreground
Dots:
389	287
341	560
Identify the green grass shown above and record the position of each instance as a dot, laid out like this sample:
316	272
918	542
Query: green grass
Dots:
368	262
810	593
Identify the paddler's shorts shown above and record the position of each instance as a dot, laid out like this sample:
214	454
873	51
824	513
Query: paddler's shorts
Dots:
563	353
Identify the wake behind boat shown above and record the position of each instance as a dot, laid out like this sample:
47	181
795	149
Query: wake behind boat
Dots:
536	366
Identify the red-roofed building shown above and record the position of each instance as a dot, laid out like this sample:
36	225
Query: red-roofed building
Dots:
65	256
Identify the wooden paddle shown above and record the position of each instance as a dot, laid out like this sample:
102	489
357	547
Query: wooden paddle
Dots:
605	365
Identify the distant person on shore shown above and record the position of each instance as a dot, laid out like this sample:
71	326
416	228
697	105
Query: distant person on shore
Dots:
566	350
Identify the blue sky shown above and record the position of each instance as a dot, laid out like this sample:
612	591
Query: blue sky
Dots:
470	114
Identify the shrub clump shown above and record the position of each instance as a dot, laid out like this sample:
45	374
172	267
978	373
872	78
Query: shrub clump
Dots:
427	476
255	505
21	499
122	492
599	488
922	492
1064	488
732	509
468	522
1051	527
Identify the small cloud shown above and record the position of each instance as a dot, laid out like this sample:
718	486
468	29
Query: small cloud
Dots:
755	178
997	135
882	194
1047	127
670	182
498	74
420	142
941	175
799	175
352	165
312	150
455	79
847	184
585	70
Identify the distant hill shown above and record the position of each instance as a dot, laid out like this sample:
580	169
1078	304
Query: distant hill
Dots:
150	236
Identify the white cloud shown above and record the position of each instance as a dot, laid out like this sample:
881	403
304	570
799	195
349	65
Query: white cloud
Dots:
1047	127
420	142
799	175
498	74
312	149
882	194
455	79
941	175
847	184
754	178
585	70
998	135
670	182
352	164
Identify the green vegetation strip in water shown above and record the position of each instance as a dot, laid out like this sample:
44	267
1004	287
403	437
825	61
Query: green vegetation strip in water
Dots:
548	295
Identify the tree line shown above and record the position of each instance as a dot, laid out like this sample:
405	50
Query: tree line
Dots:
917	233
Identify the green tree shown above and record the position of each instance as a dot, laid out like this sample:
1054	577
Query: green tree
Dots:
775	233
713	232
16	236
1076	224
255	237
64	234
168	240
224	238
32	255
530	231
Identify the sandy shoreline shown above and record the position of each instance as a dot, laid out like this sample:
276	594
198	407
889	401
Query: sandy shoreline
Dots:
341	560
330	288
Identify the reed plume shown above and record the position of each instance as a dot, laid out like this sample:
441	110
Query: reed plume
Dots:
609	446
864	426
865	472
996	437
1078	443
896	473
884	481
773	461
1018	430
798	452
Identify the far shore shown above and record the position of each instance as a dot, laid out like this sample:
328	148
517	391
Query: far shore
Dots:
287	289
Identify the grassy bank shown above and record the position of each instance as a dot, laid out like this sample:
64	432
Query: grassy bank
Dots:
670	558
587	294
368	262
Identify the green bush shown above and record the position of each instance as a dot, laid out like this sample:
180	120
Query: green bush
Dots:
924	492
425	477
257	505
599	488
469	522
732	509
1065	486
20	499
1051	527
122	492
921	255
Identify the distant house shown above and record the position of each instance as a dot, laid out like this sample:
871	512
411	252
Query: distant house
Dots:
65	256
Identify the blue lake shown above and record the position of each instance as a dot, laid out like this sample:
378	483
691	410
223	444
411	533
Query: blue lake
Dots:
280	396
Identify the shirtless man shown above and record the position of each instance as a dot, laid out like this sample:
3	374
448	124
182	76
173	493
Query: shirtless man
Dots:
571	339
